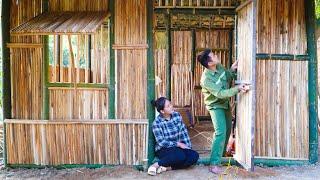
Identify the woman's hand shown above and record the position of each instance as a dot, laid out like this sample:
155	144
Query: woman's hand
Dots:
234	66
182	145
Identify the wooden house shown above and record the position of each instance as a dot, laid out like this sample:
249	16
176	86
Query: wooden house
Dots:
79	77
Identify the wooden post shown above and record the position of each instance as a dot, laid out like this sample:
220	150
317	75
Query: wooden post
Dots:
312	81
150	82
230	47
6	88
111	111
194	53
169	57
45	71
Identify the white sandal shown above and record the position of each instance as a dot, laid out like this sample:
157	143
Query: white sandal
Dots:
161	169
152	171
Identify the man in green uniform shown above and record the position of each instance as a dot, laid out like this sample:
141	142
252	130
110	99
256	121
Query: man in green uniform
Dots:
215	82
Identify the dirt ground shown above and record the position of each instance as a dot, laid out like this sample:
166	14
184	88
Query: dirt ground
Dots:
196	172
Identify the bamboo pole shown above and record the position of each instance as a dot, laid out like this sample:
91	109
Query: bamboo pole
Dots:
111	93
151	81
6	78
312	81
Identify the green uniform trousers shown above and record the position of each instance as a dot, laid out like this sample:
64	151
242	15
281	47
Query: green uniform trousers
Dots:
222	120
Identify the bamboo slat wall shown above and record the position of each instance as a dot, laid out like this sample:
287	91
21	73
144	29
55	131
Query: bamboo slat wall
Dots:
77	142
25	64
130	22
26	82
131	83
20	14
282	127
246	101
218	40
181	83
194	3
160	60
281	27
131	58
160	57
78	5
181	75
78	103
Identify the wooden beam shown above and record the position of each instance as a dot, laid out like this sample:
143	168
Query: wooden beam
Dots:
243	5
49	33
79	85
312	81
289	57
279	162
193	28
77	121
213	49
25	45
129	46
62	166
259	161
194	7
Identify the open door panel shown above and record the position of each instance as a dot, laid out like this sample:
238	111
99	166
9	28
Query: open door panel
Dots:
246	54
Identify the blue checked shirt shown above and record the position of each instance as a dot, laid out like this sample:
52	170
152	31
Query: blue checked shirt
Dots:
169	132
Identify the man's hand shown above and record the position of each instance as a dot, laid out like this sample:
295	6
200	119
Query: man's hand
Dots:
182	145
243	88
234	66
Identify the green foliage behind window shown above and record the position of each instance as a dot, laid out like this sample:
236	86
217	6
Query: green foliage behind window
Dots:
318	8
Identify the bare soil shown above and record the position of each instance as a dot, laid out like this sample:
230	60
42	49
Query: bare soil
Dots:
196	172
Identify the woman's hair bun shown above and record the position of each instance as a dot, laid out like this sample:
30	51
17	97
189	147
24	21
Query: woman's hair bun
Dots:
153	102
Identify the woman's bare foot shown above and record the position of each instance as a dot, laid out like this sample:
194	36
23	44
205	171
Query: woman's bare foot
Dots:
215	169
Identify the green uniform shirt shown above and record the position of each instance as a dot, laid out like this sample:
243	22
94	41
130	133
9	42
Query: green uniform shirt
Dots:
215	87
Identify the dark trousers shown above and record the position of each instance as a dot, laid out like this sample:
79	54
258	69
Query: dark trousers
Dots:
177	158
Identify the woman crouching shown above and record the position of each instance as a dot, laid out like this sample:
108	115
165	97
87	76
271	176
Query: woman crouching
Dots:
173	146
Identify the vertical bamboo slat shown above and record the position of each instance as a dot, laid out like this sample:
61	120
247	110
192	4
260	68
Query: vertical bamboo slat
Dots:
181	79
287	120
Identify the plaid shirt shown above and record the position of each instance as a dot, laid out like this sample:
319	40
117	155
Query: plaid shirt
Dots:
169	132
